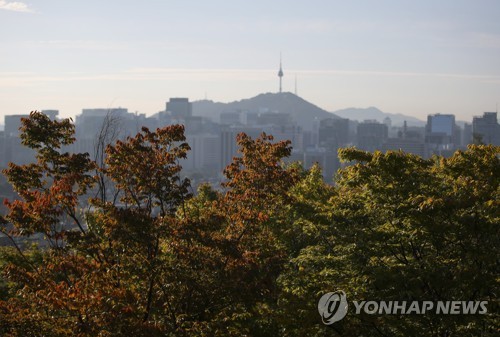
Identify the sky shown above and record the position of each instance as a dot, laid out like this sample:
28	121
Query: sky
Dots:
411	57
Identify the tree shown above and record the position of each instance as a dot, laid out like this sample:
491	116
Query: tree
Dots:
227	255
252	258
101	279
254	205
156	261
308	237
49	188
403	228
108	134
49	192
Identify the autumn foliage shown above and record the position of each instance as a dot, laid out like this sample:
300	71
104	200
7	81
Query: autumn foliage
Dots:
250	258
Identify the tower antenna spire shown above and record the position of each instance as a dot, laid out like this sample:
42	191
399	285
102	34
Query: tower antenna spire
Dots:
296	92
280	74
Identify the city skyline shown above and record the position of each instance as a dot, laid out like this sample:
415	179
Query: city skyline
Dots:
402	57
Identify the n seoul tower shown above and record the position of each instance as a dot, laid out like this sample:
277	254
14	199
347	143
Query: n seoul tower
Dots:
280	73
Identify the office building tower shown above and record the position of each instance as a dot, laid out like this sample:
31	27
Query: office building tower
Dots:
371	135
12	125
334	132
180	108
486	129
442	131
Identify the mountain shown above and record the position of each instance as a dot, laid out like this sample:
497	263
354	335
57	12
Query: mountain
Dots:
301	110
360	115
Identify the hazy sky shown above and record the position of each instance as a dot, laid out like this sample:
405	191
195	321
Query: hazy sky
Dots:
412	57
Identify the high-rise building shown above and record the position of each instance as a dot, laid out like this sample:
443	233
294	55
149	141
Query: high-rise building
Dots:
249	117
334	132
51	113
387	121
290	132
325	158
118	122
230	118
204	154
466	137
408	145
12	125
371	135
180	107
90	121
486	128
442	135
3	157
228	145
13	150
442	131
274	118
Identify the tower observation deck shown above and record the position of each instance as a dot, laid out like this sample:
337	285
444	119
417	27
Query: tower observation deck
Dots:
280	75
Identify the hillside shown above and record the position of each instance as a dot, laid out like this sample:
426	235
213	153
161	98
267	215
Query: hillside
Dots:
302	111
360	115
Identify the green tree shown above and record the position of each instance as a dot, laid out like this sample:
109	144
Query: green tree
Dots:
403	228
250	259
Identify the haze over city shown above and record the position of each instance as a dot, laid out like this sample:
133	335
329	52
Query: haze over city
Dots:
249	168
410	57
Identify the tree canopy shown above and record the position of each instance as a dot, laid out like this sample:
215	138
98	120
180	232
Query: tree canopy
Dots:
251	257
